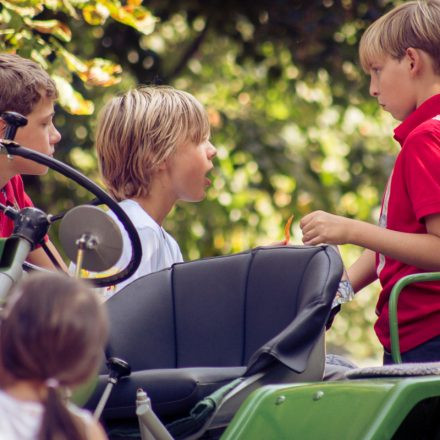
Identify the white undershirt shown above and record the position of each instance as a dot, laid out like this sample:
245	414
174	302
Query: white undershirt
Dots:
159	249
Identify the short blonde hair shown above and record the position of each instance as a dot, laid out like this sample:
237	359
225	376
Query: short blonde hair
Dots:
412	24
140	129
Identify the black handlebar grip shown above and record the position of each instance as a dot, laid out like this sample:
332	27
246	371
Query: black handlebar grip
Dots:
118	368
13	121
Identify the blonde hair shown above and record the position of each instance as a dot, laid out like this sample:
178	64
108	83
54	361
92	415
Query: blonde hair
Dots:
23	82
412	24
137	131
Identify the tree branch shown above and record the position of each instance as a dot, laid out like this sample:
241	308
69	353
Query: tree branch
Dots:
189	53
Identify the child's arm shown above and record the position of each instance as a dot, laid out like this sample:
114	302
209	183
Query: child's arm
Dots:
420	250
96	432
39	258
363	271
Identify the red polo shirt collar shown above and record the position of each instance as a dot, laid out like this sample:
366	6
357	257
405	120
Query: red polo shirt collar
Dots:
427	110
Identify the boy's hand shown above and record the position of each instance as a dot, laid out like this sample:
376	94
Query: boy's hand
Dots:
321	227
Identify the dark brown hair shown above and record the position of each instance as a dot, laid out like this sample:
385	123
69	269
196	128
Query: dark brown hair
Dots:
53	330
22	84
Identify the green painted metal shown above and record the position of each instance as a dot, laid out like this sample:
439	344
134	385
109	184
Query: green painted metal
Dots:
7	252
81	394
358	409
394	297
2	246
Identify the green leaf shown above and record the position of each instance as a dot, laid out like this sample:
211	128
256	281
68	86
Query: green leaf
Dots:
70	99
24	11
95	72
95	14
132	15
54	27
102	73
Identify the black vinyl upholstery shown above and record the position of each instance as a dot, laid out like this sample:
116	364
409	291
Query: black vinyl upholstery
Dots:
189	329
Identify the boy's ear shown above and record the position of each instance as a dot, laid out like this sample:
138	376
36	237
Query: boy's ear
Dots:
415	59
162	166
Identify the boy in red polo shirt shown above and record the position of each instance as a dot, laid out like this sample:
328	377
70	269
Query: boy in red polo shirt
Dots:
401	52
27	89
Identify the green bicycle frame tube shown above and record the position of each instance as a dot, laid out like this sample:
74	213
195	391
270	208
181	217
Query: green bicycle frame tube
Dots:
392	305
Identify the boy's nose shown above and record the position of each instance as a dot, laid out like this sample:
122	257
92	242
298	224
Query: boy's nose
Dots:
373	89
212	151
55	136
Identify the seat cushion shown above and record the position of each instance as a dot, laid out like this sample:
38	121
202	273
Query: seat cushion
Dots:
172	391
189	329
397	370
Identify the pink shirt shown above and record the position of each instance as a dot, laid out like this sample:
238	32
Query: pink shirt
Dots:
412	193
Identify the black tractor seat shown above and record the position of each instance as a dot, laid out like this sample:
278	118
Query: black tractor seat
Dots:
190	329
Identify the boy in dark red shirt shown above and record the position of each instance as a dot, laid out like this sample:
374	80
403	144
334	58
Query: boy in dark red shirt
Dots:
401	52
27	89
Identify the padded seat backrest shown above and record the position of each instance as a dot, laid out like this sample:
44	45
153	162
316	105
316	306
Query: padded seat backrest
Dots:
218	311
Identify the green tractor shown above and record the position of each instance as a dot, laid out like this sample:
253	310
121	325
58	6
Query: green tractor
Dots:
229	347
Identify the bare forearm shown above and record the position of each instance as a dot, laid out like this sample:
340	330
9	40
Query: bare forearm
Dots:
363	271
420	250
39	258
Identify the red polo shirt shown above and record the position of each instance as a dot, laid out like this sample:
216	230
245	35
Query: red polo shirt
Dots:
12	194
412	193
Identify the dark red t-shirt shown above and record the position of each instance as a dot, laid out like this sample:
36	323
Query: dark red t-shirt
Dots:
412	193
12	194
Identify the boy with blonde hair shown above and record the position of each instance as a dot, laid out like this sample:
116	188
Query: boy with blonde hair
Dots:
27	89
153	149
401	53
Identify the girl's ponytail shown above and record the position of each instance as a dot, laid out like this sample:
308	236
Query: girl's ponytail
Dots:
58	422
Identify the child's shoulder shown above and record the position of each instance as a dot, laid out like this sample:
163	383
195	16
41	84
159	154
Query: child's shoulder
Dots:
139	217
427	133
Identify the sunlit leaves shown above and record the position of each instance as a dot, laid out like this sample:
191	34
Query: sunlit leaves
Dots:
70	99
95	14
101	72
133	14
95	72
22	31
53	27
23	8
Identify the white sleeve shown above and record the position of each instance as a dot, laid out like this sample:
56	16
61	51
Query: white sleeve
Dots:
150	261
151	251
178	254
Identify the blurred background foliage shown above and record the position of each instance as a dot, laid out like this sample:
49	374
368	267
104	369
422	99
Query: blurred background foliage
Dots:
291	117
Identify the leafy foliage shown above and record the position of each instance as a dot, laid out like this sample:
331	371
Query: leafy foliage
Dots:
289	108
